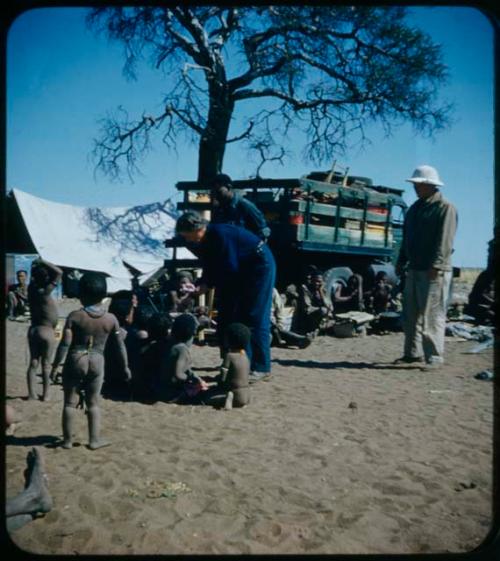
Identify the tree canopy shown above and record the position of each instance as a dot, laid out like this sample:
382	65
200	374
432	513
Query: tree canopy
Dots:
252	74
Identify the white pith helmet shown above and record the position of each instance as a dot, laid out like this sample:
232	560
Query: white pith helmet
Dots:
425	174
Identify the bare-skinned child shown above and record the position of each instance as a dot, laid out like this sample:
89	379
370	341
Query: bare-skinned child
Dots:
235	369
177	380
41	334
84	338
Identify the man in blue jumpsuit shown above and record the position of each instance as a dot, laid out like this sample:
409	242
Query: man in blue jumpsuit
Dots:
241	268
231	208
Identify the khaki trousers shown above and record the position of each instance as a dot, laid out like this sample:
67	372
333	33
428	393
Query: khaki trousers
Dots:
424	314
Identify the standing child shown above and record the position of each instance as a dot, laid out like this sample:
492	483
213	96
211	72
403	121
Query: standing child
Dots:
235	369
84	338
41	334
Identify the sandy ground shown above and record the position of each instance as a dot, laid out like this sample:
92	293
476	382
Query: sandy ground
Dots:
409	470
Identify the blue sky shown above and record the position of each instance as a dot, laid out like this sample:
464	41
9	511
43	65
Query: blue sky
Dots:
62	78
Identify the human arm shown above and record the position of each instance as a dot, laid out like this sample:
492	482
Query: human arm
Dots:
254	219
116	335
444	241
62	349
54	272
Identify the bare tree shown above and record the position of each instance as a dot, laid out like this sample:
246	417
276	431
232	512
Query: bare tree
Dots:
328	71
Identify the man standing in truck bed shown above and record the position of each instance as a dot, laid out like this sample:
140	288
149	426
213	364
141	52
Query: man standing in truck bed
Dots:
429	230
231	208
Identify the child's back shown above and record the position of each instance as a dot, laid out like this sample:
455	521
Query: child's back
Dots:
236	379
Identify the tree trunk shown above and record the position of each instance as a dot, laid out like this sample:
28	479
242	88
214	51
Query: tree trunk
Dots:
213	140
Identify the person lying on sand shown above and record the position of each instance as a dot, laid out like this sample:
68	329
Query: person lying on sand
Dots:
35	500
84	338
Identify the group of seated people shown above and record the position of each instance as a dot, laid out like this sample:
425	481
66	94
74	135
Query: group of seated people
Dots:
158	352
314	308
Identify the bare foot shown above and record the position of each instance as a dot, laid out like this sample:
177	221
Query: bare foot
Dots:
67	444
30	397
37	481
98	444
229	401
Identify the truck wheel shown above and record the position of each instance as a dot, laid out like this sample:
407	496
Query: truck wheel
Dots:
334	275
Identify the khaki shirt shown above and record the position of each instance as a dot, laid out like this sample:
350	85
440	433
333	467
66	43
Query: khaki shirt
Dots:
429	229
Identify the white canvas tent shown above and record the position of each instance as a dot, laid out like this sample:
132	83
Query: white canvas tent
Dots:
101	239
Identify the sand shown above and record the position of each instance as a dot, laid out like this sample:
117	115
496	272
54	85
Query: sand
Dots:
340	452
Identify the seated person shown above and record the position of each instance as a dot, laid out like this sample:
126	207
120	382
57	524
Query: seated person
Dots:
235	370
348	298
280	335
137	338
175	381
17	296
379	298
154	353
481	304
84	338
183	298
314	307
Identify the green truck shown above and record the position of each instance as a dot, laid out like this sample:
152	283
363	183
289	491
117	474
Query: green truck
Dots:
327	219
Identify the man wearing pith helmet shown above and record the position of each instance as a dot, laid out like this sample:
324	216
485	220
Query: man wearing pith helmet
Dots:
425	258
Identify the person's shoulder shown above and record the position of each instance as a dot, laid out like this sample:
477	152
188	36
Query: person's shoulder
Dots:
445	203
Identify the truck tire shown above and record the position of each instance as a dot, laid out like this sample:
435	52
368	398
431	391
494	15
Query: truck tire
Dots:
335	275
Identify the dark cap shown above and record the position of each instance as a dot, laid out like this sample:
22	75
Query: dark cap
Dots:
222	180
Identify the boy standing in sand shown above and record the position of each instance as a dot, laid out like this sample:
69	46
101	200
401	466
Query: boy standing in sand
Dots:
41	334
84	338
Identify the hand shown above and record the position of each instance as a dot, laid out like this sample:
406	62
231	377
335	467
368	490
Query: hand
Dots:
188	288
128	374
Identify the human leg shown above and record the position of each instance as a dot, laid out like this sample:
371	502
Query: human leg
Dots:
412	316
92	392
35	498
11	305
71	386
47	347
34	348
292	338
434	318
256	306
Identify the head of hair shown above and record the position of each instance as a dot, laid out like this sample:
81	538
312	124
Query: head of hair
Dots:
184	327
222	180
190	221
40	274
183	275
142	316
92	288
122	295
381	275
22	271
310	271
158	326
237	336
121	308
